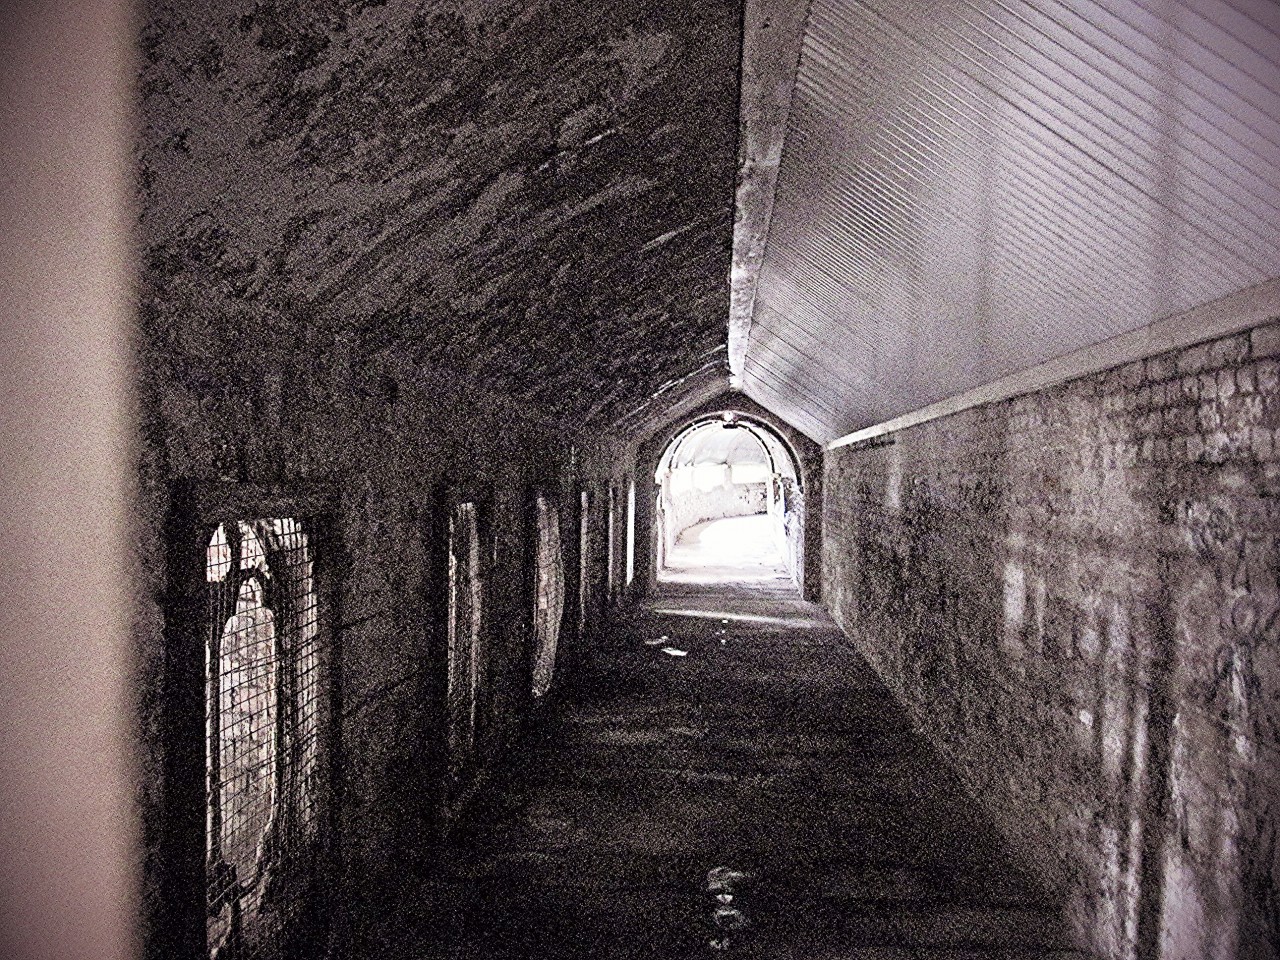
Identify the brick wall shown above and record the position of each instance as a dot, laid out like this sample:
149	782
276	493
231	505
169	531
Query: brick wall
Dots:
1076	593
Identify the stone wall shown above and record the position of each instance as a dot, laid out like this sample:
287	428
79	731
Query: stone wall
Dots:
333	294
693	506
1076	593
292	414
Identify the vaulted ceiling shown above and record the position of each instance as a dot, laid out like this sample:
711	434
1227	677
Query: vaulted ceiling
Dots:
531	196
537	198
714	443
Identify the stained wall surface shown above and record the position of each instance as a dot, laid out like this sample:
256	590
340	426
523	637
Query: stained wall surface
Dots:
385	549
1076	592
397	250
534	197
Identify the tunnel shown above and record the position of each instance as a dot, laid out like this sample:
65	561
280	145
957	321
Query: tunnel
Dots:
561	479
729	505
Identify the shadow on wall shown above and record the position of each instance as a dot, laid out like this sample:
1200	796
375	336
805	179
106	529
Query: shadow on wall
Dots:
1076	591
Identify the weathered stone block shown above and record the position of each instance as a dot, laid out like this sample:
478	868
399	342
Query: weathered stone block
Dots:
1264	341
1163	367
1230	351
1193	360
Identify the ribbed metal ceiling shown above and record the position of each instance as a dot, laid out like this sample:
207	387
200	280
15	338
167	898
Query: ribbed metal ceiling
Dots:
970	187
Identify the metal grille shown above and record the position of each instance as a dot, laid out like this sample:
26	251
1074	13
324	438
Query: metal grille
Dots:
262	709
584	559
464	632
549	608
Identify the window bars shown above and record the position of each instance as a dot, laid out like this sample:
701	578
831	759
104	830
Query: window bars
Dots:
549	600
584	558
263	714
462	695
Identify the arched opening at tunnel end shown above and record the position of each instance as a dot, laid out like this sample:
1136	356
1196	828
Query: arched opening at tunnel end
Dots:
729	506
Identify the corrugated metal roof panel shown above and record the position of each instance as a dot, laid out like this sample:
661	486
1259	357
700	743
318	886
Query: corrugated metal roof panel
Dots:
970	187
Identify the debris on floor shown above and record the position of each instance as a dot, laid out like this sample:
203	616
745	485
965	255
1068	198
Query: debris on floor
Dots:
675	652
729	918
724	879
721	884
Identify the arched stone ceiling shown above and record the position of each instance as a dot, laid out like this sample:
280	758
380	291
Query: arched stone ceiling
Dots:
970	187
530	196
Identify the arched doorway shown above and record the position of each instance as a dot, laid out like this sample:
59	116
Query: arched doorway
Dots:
729	505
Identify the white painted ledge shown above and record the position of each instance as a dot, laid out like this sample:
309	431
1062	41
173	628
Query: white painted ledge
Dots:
1231	314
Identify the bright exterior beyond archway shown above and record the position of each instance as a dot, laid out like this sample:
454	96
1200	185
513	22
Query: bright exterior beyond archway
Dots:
729	506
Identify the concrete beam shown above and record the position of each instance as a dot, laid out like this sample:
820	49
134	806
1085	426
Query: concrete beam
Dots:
68	830
773	33
1230	314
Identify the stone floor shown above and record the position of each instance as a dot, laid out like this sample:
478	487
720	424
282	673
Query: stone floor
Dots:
729	778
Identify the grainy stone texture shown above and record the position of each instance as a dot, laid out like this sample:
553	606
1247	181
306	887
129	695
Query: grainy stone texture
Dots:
536	197
392	445
1076	593
398	247
391	461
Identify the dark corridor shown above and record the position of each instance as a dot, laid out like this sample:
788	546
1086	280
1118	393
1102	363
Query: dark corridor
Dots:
725	777
381	379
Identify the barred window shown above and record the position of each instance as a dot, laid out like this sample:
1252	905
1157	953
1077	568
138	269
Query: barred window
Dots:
549	604
262	711
464	639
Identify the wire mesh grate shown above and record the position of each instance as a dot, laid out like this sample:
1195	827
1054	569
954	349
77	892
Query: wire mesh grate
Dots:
464	632
262	710
549	603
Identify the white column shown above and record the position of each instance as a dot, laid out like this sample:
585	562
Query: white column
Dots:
67	836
